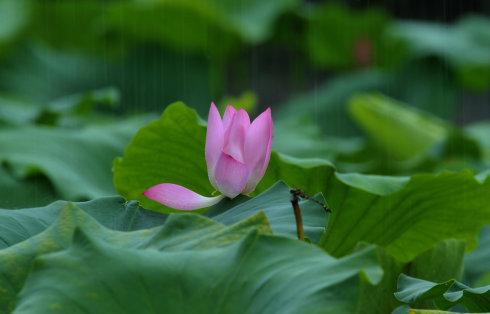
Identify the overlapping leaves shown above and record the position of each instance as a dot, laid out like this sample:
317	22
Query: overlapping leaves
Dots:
406	217
195	262
393	212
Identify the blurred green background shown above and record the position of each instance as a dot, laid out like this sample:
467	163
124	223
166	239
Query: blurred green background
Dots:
379	87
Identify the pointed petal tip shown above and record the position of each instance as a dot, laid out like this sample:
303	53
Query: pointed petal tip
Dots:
241	110
213	108
244	115
266	113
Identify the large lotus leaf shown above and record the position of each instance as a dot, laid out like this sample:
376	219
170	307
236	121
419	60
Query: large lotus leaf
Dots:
408	220
249	274
178	231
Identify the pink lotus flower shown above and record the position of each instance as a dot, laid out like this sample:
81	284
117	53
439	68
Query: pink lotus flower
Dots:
237	155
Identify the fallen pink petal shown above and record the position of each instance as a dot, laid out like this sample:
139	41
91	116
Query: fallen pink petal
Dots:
176	196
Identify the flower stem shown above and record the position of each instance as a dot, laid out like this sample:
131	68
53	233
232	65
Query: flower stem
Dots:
297	216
